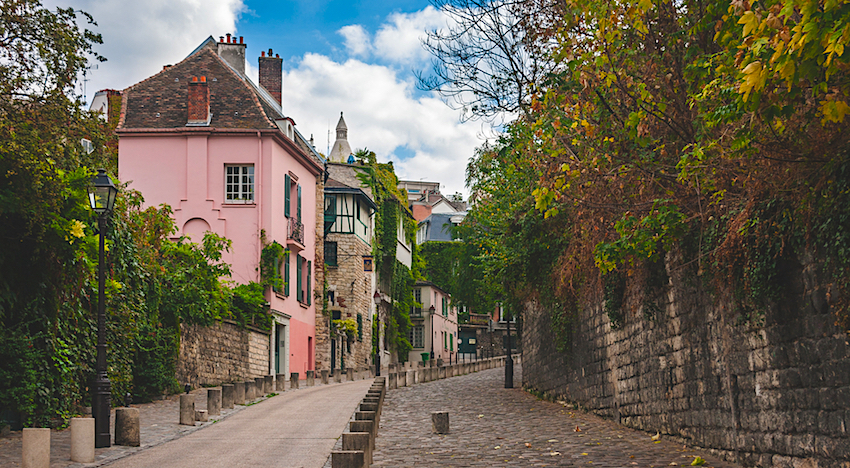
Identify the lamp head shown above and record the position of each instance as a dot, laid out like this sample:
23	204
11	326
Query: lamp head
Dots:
102	193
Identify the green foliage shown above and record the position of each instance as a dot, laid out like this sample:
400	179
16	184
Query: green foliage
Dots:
346	328
271	257
249	306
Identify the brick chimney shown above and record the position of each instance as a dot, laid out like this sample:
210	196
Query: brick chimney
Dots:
232	52
199	102
271	75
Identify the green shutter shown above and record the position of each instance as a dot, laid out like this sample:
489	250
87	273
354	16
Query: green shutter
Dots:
286	194
309	275
299	202
286	273
299	293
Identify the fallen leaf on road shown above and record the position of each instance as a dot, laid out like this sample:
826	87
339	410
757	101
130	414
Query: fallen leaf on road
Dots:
497	447
552	440
674	464
657	436
554	453
584	453
480	415
578	429
698	461
528	445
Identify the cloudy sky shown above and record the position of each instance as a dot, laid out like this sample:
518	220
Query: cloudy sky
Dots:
354	56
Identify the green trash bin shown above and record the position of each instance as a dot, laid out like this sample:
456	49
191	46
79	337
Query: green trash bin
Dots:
425	356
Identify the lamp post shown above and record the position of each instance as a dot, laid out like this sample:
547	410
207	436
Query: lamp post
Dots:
377	299
431	311
102	199
509	361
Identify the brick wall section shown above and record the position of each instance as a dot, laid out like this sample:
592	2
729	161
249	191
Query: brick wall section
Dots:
223	352
775	395
199	100
271	73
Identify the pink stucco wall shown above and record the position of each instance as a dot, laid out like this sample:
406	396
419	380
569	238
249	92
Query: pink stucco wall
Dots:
186	171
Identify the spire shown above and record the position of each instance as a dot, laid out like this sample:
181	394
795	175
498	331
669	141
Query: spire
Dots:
341	149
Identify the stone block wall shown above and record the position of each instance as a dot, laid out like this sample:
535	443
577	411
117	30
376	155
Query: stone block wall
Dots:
352	299
223	352
775	394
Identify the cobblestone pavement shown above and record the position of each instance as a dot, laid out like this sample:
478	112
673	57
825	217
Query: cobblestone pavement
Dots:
159	423
493	426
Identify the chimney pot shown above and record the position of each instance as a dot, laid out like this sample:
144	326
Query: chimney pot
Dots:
194	79
270	52
228	38
276	55
240	40
262	53
203	79
220	38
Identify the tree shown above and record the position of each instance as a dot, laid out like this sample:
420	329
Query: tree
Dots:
487	61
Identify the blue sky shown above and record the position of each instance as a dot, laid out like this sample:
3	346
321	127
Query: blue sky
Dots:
351	56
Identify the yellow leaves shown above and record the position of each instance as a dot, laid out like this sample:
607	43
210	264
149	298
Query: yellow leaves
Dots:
833	110
645	5
698	461
755	77
77	229
750	21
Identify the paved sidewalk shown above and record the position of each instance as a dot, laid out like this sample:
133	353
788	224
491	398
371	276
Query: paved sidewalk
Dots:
159	423
495	427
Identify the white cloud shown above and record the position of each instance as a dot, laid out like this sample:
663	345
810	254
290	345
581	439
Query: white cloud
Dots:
356	40
384	115
400	39
140	37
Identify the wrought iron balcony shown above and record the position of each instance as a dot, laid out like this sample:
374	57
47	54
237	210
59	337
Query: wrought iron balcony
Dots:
295	231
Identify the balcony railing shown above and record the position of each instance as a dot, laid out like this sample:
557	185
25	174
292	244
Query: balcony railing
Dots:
295	231
416	312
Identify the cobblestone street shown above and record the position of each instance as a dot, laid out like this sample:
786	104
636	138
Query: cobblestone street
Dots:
493	426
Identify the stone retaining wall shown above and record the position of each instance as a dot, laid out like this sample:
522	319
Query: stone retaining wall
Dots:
223	352
775	394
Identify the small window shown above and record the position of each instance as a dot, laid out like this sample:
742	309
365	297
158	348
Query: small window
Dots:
239	184
416	336
330	253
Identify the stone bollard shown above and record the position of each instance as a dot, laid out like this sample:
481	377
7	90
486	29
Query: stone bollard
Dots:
127	427
310	381
325	374
187	409
250	390
393	381
268	384
440	422
358	441
338	376
214	401
239	393
348	459
82	440
260	387
364	426
280	382
228	395
36	447
201	415
293	381
401	379
442	372
350	373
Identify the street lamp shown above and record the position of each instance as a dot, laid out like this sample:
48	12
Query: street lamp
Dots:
431	311
102	199
377	299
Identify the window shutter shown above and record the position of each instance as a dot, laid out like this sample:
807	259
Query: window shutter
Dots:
286	273
298	292
359	327
287	189
299	202
309	275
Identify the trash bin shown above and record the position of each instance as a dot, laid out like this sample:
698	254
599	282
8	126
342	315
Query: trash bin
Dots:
425	356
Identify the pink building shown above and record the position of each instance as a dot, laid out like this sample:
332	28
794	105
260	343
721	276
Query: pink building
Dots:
434	329
202	138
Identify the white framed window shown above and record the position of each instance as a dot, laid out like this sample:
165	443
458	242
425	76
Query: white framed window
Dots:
417	336
239	184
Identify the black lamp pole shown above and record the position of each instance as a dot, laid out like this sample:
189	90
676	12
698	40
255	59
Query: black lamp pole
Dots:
509	362
431	311
102	198
377	299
